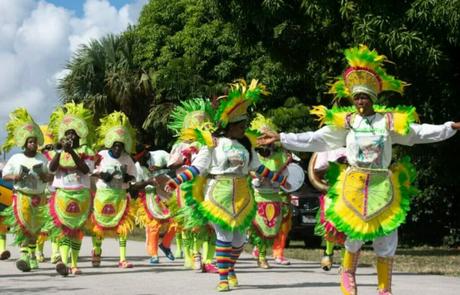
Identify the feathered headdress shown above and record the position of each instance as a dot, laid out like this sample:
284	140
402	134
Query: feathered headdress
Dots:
234	106
47	135
365	74
73	116
20	127
262	124
116	127
190	114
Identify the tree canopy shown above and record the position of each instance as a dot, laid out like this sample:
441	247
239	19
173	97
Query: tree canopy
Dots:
183	49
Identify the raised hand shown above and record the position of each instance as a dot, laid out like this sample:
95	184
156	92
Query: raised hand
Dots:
268	137
456	125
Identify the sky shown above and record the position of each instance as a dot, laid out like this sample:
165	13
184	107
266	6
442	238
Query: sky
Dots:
37	39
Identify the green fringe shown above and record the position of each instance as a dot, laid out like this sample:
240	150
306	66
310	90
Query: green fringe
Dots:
320	230
406	193
10	221
203	216
256	240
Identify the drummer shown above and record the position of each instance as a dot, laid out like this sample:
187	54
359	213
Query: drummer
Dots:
273	218
153	212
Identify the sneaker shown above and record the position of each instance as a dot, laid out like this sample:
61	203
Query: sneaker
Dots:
62	269
55	258
40	257
125	264
167	252
5	255
223	287
233	281
154	260
282	261
75	271
197	261
23	263
263	263
326	262
33	262
255	253
95	259
209	268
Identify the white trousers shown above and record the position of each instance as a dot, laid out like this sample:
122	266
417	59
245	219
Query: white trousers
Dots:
237	238
383	246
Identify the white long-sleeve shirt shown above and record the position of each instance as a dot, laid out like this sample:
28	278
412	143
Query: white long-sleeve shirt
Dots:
227	157
368	142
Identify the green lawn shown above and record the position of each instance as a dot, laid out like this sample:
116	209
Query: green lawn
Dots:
424	260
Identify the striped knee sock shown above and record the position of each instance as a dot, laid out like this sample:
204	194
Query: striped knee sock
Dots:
223	257
122	243
64	246
236	252
75	246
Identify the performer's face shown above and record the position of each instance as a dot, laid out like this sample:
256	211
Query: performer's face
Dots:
31	144
117	149
236	130
363	104
73	137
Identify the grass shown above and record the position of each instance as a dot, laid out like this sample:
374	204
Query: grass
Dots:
421	260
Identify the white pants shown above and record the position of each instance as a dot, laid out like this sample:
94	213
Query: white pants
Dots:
383	246
237	238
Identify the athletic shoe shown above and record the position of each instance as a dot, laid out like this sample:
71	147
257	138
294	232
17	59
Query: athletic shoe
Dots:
167	252
210	268
62	269
125	264
5	255
233	281
154	260
282	261
23	263
223	287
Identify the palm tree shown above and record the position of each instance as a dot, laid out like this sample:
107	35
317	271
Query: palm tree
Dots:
104	76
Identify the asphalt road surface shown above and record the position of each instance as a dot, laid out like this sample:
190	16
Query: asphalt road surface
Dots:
301	277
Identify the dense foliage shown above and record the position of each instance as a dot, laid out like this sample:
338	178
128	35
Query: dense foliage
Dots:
185	48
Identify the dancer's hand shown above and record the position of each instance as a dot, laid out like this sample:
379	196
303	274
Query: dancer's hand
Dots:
268	137
170	186
456	125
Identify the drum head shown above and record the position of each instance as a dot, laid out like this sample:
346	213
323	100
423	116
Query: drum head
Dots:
162	180
295	177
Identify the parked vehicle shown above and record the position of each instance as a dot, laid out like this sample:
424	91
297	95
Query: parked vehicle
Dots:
305	205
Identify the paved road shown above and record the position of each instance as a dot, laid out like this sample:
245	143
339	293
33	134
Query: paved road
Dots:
171	278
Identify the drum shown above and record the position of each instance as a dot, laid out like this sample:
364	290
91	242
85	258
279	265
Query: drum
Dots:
295	177
6	194
162	179
317	182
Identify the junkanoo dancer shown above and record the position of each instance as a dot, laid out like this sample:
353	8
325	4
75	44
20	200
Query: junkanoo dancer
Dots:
72	162
153	211
189	121
229	202
113	211
55	257
269	197
29	172
324	227
370	198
